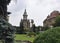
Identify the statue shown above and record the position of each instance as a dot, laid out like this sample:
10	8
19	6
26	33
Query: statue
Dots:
6	29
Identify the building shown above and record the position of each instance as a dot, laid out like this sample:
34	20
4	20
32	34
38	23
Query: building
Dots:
25	22
50	20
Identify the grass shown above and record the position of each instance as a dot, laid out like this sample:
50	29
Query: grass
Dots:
24	37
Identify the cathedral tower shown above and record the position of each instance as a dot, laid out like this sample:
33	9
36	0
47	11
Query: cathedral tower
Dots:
25	22
25	15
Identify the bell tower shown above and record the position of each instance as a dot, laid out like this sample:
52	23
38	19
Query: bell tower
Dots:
25	15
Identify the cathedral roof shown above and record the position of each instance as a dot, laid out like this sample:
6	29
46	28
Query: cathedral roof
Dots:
25	13
54	14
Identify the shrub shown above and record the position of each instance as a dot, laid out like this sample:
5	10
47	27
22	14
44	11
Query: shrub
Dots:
57	22
31	34
49	36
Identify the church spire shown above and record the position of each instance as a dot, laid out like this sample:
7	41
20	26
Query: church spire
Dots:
25	15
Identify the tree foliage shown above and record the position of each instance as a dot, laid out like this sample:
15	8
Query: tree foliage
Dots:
33	28
6	29
21	28
57	22
49	36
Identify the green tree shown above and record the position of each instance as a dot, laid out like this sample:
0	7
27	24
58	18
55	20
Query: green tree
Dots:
49	36
57	22
33	28
38	29
21	28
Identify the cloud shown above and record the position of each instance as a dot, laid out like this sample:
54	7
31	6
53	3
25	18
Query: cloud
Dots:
16	9
36	9
39	9
15	18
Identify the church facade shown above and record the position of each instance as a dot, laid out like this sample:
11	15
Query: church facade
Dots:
25	22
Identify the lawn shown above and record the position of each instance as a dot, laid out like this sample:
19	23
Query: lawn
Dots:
24	37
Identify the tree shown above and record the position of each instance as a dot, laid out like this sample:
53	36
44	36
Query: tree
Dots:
49	36
7	31
17	29
21	28
46	28
34	28
57	22
38	29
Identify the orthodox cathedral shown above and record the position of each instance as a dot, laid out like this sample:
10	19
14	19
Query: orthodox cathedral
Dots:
25	21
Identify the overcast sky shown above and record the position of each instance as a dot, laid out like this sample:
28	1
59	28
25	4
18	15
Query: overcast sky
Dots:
36	9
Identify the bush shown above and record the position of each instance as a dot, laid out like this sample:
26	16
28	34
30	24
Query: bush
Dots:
57	22
31	34
49	36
